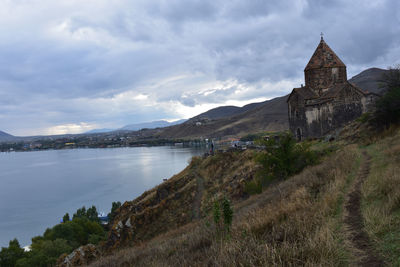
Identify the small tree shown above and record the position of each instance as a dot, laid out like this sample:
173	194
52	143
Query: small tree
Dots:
92	214
388	106
66	218
80	213
216	213
114	207
228	214
283	158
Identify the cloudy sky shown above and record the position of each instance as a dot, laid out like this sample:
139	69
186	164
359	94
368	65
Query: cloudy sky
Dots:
68	66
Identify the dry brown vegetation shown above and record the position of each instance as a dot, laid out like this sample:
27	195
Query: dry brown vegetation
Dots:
296	222
381	196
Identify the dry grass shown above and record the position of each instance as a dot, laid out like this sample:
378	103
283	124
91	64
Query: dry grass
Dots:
381	197
294	223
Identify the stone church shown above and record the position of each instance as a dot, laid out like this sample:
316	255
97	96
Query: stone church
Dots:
328	100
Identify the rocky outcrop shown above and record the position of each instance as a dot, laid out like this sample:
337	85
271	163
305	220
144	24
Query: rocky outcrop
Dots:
165	207
172	203
81	256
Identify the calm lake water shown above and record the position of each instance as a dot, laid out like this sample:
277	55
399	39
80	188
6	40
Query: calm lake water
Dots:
38	188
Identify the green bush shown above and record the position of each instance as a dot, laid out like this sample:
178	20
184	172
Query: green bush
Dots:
388	106
10	255
62	238
283	158
222	227
365	117
216	213
253	187
114	207
227	213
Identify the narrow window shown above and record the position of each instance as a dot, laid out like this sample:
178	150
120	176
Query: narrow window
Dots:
298	134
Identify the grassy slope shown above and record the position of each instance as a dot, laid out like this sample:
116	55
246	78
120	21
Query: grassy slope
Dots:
381	198
295	222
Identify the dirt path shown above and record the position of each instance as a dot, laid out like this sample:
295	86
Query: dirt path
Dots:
363	251
197	198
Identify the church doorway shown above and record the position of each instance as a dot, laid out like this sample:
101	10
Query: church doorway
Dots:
298	134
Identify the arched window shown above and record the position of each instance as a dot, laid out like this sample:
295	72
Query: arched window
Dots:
298	134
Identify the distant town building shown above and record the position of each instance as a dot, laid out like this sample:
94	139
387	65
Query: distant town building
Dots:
328	100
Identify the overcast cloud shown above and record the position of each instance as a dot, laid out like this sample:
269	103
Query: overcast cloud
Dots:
68	66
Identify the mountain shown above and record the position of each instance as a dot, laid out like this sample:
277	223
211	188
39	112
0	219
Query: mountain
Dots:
6	137
369	79
150	125
269	115
225	111
103	130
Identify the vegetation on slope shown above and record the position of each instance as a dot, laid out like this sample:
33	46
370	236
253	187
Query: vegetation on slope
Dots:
381	197
294	222
84	228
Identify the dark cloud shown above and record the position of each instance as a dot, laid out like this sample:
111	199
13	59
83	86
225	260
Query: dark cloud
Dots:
71	62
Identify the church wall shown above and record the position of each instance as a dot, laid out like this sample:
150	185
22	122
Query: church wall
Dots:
324	77
319	119
297	119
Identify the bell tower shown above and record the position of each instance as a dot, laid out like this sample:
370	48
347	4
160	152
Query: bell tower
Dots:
324	69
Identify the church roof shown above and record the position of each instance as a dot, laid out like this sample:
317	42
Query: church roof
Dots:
334	90
324	57
305	92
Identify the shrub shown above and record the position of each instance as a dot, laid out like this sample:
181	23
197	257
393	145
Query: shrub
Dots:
216	213
114	207
10	255
62	238
253	187
388	106
228	214
283	158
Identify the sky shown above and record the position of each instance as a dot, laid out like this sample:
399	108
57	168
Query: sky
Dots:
69	66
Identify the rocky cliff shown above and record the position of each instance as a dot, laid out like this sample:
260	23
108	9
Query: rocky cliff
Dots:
181	199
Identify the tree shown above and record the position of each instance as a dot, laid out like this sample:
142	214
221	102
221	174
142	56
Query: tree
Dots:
80	213
10	255
388	106
227	213
66	218
114	207
92	214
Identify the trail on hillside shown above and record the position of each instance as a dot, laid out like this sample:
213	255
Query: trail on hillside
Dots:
364	252
199	195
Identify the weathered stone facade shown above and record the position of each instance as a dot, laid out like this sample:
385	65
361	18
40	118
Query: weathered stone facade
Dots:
328	100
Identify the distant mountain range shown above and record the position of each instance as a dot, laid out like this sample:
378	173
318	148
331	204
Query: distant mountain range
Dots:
6	137
150	125
103	130
138	126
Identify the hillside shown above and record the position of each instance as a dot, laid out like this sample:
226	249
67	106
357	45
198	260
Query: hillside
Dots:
6	137
271	115
369	79
305	218
149	125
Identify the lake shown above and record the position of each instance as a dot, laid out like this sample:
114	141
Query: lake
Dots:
38	188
